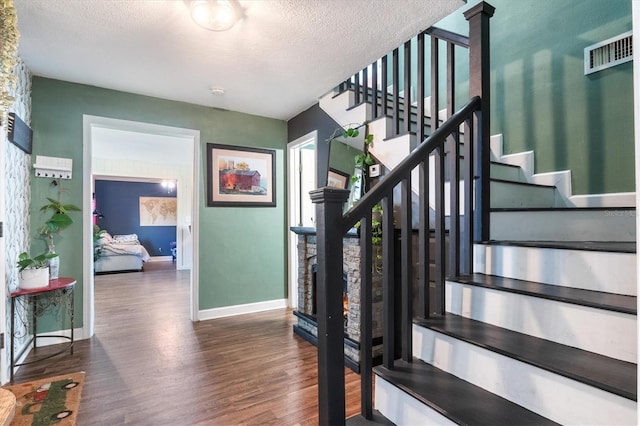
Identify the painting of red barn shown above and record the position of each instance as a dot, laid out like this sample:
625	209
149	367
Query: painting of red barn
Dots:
234	180
240	176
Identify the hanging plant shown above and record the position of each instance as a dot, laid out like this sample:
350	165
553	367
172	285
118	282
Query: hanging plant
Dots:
362	160
8	54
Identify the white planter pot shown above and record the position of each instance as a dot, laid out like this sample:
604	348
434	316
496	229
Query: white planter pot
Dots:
34	278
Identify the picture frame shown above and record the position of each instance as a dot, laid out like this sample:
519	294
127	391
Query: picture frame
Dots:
158	211
240	176
337	179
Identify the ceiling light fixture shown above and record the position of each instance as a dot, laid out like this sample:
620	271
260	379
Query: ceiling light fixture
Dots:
218	91
214	15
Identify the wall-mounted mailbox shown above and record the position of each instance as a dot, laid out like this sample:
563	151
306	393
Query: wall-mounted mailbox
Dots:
53	167
19	133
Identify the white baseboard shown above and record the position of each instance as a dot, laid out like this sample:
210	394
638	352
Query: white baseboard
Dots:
619	199
249	308
160	259
561	180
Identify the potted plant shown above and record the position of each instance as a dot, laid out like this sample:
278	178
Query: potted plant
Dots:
34	271
98	234
58	221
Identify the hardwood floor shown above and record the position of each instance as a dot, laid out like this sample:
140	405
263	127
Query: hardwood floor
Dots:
148	364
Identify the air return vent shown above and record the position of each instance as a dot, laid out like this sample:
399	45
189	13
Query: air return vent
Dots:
608	53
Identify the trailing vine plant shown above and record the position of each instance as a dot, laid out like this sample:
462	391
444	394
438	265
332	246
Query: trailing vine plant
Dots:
362	161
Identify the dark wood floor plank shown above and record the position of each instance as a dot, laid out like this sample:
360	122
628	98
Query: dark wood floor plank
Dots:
595	299
148	364
612	375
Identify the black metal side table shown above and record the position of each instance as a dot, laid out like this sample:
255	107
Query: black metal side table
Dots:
57	295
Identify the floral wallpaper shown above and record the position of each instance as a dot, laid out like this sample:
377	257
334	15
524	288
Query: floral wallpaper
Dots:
16	180
17	196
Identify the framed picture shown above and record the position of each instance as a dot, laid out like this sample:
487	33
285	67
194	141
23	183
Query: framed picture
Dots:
240	176
158	211
337	179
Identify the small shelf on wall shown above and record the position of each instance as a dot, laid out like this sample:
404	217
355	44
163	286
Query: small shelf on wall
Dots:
53	167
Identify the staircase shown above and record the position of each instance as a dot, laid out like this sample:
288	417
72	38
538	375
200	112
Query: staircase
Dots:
544	331
516	194
524	351
540	329
553	302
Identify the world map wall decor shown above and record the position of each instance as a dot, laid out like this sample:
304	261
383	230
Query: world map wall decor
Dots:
158	211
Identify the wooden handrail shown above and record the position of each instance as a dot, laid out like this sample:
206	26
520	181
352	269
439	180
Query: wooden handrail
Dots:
468	220
447	35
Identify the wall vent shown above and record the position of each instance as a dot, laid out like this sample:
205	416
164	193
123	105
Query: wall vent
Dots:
608	53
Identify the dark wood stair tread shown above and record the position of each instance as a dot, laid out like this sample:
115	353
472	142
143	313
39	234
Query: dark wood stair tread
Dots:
514	182
609	374
378	419
445	392
605	246
591	298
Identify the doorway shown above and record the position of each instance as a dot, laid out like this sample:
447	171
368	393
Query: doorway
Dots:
142	161
301	172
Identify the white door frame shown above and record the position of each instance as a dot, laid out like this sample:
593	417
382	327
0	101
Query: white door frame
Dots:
90	122
292	191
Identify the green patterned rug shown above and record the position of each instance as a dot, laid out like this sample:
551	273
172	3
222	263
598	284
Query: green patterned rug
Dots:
51	401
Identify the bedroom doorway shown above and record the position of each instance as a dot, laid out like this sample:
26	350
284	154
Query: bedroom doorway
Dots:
128	210
119	148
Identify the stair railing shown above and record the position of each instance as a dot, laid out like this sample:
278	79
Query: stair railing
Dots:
332	224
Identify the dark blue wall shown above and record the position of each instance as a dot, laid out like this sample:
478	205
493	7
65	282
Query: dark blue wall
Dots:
118	202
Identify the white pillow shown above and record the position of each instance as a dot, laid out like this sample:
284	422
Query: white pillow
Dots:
126	239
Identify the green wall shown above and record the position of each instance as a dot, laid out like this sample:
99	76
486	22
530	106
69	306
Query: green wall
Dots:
242	250
541	99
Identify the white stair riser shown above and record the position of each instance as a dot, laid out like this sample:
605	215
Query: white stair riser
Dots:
611	334
553	396
402	409
511	195
391	151
339	109
590	270
505	172
563	225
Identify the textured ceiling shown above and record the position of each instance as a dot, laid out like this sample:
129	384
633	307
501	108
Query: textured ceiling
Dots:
275	62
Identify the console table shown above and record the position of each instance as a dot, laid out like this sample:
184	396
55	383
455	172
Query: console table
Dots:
57	298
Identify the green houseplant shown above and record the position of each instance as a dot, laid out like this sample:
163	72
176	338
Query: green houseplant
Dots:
58	221
34	271
25	261
98	234
362	161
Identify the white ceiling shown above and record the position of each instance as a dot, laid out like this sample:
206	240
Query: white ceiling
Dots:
276	62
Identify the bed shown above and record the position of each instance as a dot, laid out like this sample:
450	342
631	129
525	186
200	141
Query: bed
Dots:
120	253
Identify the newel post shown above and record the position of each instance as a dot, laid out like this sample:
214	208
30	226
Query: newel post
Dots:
329	204
479	85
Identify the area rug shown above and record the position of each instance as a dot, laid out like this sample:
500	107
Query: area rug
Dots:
51	401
